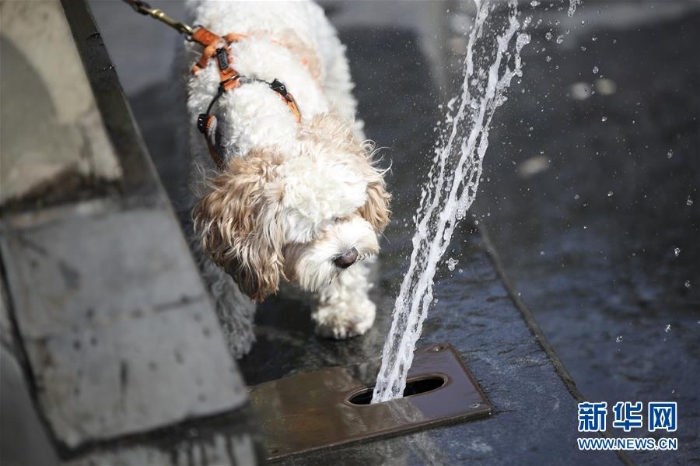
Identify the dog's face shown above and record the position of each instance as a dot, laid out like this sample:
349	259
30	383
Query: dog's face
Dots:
305	215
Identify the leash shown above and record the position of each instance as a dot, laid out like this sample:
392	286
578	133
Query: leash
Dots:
146	10
219	49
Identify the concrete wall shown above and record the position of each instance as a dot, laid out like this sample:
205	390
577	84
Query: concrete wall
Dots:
111	350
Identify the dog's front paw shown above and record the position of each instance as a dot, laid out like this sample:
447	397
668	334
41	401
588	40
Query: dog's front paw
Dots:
346	321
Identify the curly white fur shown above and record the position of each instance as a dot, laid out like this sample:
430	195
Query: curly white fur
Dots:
297	201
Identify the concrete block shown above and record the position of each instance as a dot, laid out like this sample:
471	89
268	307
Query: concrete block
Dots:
120	333
23	437
97	268
52	137
134	375
219	449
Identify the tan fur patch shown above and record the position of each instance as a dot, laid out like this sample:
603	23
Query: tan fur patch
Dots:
235	227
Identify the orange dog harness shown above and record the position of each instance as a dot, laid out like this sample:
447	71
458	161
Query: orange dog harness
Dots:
218	49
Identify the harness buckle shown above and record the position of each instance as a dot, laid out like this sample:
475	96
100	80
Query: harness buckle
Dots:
229	83
203	121
222	58
279	88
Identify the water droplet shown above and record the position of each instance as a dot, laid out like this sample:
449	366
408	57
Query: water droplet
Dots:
548	35
614	41
583	48
534	3
604	118
687	283
668	328
585	227
580	91
594	38
618	339
560	39
595	70
610	193
451	263
572	7
576	196
689	202
605	86
677	251
541	253
548	58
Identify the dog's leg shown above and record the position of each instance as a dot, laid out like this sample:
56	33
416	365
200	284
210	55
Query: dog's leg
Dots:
343	309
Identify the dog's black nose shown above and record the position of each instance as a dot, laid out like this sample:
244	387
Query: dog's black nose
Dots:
347	259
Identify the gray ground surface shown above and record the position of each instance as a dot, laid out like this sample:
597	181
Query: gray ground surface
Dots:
590	241
585	207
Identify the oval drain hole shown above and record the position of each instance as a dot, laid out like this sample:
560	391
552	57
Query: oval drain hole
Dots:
413	387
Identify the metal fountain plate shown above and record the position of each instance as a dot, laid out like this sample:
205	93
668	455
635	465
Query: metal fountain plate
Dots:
330	407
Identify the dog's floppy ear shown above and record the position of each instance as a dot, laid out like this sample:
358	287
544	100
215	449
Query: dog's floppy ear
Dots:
236	222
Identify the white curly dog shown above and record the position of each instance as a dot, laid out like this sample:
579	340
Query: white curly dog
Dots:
296	194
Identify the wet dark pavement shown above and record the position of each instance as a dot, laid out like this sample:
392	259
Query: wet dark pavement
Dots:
603	243
598	270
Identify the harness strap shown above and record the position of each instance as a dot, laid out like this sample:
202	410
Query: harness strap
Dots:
287	98
207	126
229	79
215	45
217	48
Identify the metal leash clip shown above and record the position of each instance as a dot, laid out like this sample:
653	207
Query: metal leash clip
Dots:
158	14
